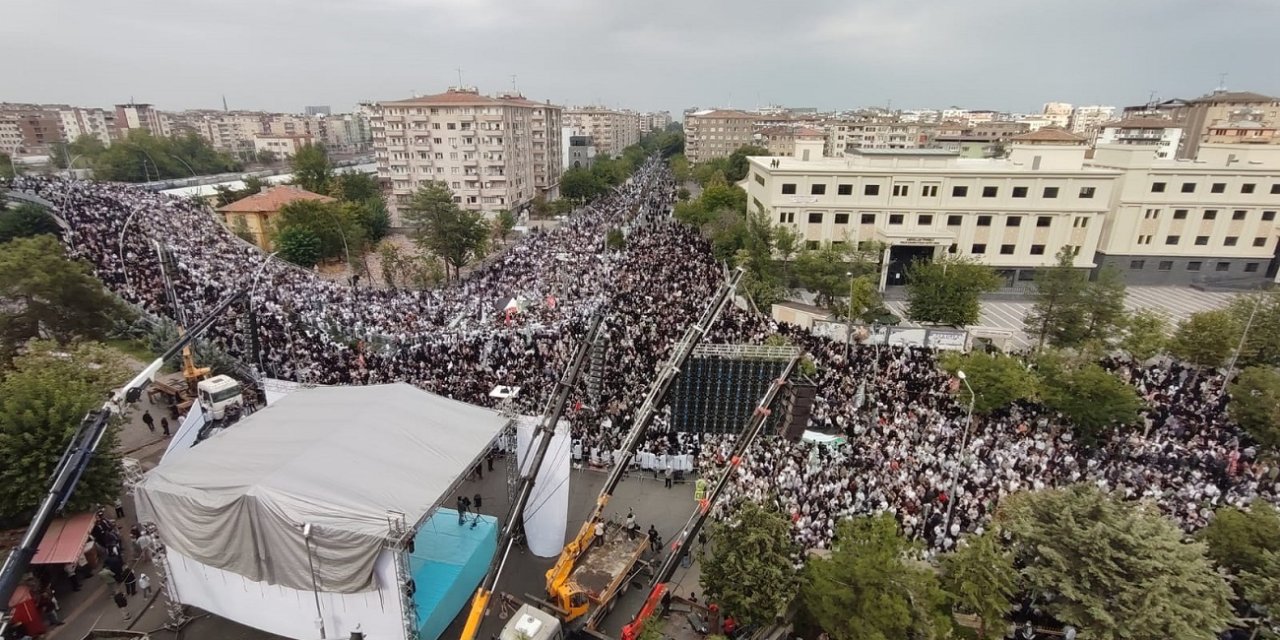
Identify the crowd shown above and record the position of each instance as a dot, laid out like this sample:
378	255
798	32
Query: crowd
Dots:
903	454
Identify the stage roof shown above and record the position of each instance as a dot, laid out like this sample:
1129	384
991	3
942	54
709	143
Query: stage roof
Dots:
64	541
338	458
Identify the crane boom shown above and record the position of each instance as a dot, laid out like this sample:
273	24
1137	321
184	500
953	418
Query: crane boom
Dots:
568	597
698	518
546	429
76	458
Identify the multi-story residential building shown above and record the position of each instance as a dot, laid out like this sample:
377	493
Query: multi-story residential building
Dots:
10	134
283	145
580	152
1210	221
1085	121
135	115
38	127
318	110
1199	115
781	140
95	123
348	132
716	133
1014	213
655	121
1246	130
610	130
877	133
1057	114
494	153
984	140
1163	134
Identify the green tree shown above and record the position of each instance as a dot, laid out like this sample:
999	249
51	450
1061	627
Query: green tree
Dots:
1146	334
142	156
503	223
7	169
1057	316
311	168
868	590
443	228
298	245
1239	540
354	186
1206	338
997	380
680	169
865	302
242	231
982	581
738	165
1255	404
823	272
1102	307
1262	588
581	185
43	399
26	220
1118	569
1261	313
1090	397
718	196
748	570
614	239
372	217
267	156
44	294
334	224
948	291
81	152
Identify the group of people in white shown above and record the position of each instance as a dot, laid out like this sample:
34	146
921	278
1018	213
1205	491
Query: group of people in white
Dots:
903	452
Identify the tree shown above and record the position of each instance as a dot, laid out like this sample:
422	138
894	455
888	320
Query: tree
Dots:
823	272
26	220
865	301
503	223
867	590
354	186
311	168
298	245
719	196
1262	588
443	228
43	399
1057	315
1102	307
7	169
1239	540
1206	338
1090	397
44	294
680	168
1255	404
748	569
142	156
997	380
1261	313
333	224
947	291
580	185
981	579
1118	569
267	156
539	208
738	166
1146	334
372	217
614	239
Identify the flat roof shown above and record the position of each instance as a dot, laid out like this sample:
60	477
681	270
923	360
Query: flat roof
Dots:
904	152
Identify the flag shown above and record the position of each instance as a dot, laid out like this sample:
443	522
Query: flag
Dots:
861	397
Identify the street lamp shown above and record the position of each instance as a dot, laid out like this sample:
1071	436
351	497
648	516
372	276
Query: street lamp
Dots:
315	587
120	245
964	442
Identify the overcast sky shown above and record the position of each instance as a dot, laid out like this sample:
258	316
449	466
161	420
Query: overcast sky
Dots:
642	54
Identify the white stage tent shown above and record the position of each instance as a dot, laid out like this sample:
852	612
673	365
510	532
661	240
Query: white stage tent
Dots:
232	510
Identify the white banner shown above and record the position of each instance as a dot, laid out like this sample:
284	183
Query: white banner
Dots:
547	513
185	437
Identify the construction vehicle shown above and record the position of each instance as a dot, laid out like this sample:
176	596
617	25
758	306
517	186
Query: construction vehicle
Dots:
77	456
539	443
598	563
680	546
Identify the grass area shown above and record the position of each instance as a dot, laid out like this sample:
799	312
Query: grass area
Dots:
134	348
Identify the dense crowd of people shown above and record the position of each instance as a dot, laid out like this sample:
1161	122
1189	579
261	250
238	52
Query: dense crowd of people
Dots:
903	452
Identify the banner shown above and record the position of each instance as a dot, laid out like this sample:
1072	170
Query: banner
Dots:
546	515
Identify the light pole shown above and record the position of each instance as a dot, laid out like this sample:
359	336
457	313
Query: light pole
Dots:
315	587
1244	335
964	442
848	321
253	315
120	245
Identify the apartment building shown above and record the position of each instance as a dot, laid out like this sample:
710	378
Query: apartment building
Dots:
348	132
983	140
1201	114
781	140
1085	121
1208	221
716	133
1013	213
283	145
1057	114
1162	134
845	137
10	134
137	115
95	123
611	130
655	121
37	128
495	153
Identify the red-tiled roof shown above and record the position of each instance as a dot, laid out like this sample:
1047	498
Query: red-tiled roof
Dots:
272	199
724	113
448	97
1049	134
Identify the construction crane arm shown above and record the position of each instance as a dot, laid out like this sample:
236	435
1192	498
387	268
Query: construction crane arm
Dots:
680	546
546	429
76	458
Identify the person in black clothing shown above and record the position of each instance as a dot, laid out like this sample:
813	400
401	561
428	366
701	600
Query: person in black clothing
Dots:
149	421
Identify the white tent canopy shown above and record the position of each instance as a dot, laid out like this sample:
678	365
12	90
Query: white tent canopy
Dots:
337	458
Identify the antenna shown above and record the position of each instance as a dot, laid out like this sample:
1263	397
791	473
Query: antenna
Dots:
1222	81
224	102
515	88
459	77
1151	98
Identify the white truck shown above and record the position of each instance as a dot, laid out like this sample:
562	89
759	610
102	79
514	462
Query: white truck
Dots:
218	394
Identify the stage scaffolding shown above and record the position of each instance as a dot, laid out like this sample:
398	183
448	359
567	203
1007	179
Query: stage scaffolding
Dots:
722	382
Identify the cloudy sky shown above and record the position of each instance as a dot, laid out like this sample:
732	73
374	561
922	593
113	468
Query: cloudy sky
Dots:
643	54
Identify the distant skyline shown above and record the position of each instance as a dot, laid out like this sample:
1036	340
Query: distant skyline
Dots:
282	55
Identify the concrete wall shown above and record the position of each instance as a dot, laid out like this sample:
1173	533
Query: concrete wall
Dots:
1151	272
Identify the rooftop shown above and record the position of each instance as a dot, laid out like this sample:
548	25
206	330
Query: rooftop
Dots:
1234	96
467	97
272	199
1051	135
1144	123
723	113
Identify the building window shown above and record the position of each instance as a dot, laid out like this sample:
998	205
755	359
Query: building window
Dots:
1166	265
1037	249
990	192
895	218
1268	216
844	190
788	188
1006	249
1230	241
1050	192
1080	222
811	244
868	218
1275	188
953	248
818	190
1210	214
1044	221
900	190
1250	267
1202	241
1194	265
1137	264
1238	214
925	219
1013	221
1222	266
1172	239
815	217
929	191
1188	187
1218	187
1260	242
1018	192
963	192
1087	192
1247	187
842	218
984	221
787	216
978	249
1152	214
1144	239
955	220
871	190
759	179
1157	187
1179	214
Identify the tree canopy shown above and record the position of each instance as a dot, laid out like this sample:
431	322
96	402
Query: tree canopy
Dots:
1255	404
748	569
1206	338
1069	309
26	220
335	225
1146	334
981	580
142	156
443	228
997	380
947	291
311	168
1090	397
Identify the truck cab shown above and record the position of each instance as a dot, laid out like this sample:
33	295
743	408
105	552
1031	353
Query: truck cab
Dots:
532	623
218	394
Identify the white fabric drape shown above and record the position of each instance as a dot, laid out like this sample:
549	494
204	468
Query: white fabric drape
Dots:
547	513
